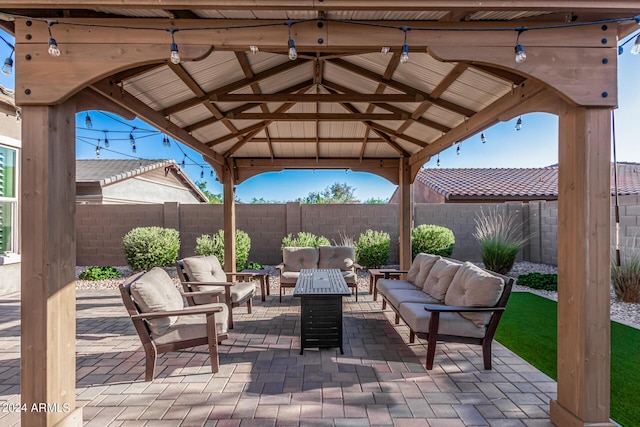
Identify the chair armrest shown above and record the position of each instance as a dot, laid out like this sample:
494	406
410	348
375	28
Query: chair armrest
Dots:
184	312
239	274
211	283
442	308
357	266
280	266
204	293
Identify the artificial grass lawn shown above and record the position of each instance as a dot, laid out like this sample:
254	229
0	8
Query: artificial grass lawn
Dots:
529	329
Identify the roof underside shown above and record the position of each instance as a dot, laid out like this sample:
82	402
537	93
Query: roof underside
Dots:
358	105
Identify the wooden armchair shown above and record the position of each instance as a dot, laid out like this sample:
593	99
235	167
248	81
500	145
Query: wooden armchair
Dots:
164	324
204	273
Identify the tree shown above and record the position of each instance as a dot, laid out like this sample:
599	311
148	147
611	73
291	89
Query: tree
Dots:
263	201
376	201
336	193
214	199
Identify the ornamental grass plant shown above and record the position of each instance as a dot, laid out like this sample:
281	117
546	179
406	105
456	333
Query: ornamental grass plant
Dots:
626	276
501	237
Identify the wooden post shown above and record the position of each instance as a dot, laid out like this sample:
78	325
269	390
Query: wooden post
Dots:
229	194
48	300
405	215
584	194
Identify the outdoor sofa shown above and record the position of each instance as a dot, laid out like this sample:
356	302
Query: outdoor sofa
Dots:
448	300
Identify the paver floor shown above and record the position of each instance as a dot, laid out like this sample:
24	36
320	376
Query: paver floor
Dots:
263	381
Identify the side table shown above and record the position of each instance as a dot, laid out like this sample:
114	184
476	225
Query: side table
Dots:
263	275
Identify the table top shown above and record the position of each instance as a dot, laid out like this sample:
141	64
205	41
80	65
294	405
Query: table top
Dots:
257	272
321	281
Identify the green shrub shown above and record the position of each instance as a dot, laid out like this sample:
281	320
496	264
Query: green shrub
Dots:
626	277
545	282
255	266
500	237
372	249
148	247
214	245
99	273
304	240
432	239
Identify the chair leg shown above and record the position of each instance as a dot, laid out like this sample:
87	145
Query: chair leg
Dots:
433	339
412	336
486	353
249	305
355	289
150	362
384	304
280	293
397	319
213	342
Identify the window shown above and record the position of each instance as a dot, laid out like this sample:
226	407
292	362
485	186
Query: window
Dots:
8	200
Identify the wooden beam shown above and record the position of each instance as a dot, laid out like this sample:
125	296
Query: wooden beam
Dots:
124	99
48	301
500	73
448	80
229	208
88	99
405	213
308	117
314	140
315	97
395	134
584	227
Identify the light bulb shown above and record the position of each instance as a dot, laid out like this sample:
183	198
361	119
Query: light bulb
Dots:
211	173
458	150
53	47
404	56
106	141
520	55
87	122
519	123
202	173
254	49
636	47
293	54
385	50
438	162
7	68
175	56
483	138
97	151
132	139
134	150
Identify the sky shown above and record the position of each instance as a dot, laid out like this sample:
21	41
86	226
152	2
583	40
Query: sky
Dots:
535	145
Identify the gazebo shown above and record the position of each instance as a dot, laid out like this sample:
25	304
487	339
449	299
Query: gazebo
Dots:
265	85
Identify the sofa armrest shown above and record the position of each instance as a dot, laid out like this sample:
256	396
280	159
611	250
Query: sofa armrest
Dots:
229	284
184	312
280	267
442	308
393	272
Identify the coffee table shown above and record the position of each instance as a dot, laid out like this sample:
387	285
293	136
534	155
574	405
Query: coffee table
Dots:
321	292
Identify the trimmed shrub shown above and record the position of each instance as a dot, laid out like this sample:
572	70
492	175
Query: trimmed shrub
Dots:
304	240
500	237
99	273
214	245
255	266
432	239
626	277
148	247
544	282
372	248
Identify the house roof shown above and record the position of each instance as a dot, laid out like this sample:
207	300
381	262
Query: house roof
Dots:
7	101
104	172
512	183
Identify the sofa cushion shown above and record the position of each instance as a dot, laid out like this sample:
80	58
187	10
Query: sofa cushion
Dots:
289	277
400	296
340	257
295	259
417	318
440	278
385	285
474	287
350	277
155	291
427	261
194	326
204	269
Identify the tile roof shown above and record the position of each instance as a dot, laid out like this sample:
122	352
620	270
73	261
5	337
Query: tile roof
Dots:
528	183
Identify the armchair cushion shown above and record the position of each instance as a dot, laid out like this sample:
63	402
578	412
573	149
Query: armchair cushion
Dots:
193	326
426	262
295	259
475	287
155	291
204	269
340	257
241	290
440	277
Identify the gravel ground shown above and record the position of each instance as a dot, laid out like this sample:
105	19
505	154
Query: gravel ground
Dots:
626	313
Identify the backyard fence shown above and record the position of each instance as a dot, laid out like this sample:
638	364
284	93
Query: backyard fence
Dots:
100	228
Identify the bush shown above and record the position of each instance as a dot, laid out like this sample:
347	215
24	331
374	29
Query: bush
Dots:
372	249
255	266
626	277
214	245
545	282
99	273
432	239
148	247
304	240
500	238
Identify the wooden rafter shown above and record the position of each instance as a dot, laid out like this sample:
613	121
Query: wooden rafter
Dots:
319	97
323	117
293	140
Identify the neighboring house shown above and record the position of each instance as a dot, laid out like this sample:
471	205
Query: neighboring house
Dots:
436	185
107	181
10	143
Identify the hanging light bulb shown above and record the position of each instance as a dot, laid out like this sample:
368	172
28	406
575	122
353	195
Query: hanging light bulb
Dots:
483	138
201	173
132	139
458	150
519	123
438	162
635	50
293	54
254	49
53	45
385	50
7	68
404	56
175	56
211	173
87	122
134	150
106	140
98	151
183	160
520	55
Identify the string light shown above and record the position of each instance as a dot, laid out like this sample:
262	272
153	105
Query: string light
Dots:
404	56
483	138
134	150
175	56
385	50
183	160
293	54
458	149
635	50
438	162
98	150
201	172
519	123
53	45
106	139
521	56
254	49
87	122
7	68
211	173
132	139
